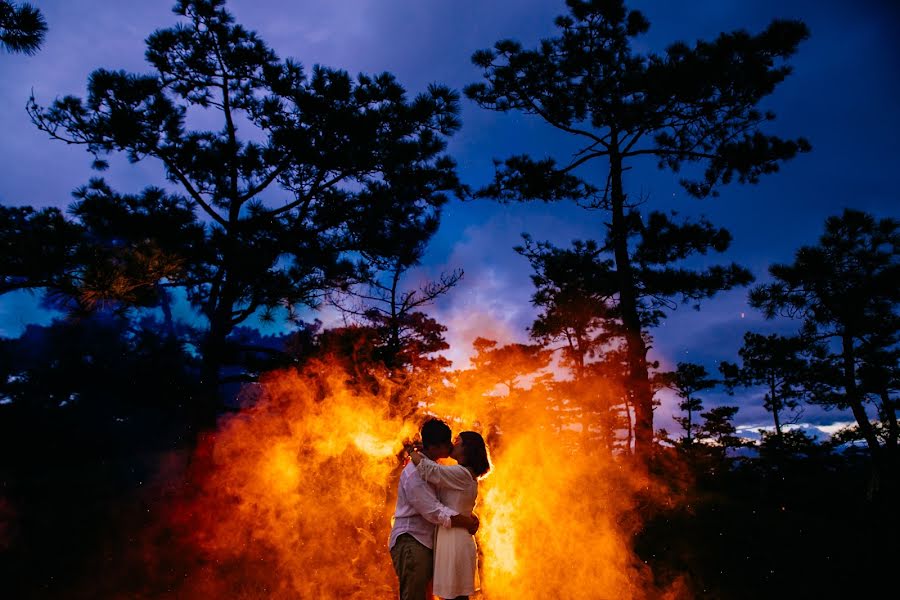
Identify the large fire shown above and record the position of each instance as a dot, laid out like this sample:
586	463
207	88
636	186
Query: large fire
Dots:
293	498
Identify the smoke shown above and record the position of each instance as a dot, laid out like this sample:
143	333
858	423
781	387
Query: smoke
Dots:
293	496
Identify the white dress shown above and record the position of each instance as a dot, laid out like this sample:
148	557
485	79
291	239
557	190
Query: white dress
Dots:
455	560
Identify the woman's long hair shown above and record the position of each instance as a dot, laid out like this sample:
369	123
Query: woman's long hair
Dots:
475	452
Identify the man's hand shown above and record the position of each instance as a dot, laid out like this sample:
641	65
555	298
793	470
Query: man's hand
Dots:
416	456
468	522
473	529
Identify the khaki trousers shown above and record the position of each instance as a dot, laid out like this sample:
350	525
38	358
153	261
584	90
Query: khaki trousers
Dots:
414	564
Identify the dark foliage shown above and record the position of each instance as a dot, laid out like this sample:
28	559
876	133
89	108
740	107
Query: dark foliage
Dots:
799	527
776	364
352	163
691	105
88	410
687	380
22	27
844	292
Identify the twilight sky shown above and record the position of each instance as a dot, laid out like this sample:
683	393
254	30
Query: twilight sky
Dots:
843	96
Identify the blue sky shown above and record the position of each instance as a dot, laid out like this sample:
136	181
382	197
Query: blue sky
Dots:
842	96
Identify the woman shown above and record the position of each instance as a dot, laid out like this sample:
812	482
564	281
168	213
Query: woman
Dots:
457	487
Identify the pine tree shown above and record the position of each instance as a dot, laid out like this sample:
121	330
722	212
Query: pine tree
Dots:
500	376
844	291
689	105
22	27
776	363
37	248
687	380
322	158
574	292
719	434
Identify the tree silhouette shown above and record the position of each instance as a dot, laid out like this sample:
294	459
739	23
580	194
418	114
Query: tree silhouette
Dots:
401	341
136	247
391	248
101	365
844	290
322	158
879	374
22	27
406	340
718	431
37	248
776	363
506	365
114	252
690	105
687	380
501	375
574	291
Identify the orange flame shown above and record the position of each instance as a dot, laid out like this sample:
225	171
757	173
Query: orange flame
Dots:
294	497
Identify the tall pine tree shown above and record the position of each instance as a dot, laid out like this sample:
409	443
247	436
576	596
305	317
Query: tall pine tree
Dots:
692	104
844	291
297	168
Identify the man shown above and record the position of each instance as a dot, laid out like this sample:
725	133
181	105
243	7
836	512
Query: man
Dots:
418	512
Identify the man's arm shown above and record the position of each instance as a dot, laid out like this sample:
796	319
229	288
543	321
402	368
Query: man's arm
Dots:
469	522
425	502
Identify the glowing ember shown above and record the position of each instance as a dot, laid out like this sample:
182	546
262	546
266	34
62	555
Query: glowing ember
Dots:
294	497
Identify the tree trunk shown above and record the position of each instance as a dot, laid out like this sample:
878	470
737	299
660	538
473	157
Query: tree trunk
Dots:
607	421
165	303
585	423
391	359
220	325
775	408
890	415
583	393
210	368
222	298
890	466
628	305
690	423
854	399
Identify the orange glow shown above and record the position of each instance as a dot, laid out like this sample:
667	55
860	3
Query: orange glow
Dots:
293	496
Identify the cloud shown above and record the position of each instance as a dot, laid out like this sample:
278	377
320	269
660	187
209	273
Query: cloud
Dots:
20	309
491	300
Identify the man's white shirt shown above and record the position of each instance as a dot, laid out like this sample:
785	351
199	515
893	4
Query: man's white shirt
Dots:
418	509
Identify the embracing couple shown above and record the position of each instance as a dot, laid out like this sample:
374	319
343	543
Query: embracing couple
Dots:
433	522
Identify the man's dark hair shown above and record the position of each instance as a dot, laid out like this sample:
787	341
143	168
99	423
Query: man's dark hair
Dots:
475	452
435	433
